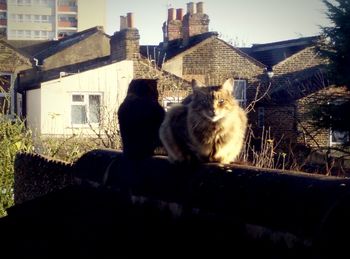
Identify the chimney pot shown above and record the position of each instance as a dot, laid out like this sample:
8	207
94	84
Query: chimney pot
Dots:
171	14
191	8
179	14
200	7
123	22
130	20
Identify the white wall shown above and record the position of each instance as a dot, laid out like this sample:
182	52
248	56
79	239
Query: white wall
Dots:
55	96
34	111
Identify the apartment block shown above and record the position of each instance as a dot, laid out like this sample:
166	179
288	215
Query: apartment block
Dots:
49	19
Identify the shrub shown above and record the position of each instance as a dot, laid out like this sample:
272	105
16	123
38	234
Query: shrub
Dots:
14	137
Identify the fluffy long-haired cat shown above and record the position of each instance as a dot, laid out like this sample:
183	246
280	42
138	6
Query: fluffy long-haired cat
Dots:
209	127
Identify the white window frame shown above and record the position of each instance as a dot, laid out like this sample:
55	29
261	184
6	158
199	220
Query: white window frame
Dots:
242	102
85	103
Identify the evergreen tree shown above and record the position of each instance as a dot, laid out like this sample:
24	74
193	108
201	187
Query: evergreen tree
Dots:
335	46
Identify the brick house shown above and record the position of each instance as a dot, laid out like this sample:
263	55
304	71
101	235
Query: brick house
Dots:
292	69
299	75
190	51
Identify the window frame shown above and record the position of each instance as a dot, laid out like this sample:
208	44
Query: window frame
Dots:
86	104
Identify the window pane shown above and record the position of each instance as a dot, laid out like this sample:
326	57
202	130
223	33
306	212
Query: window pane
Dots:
78	115
239	89
94	108
78	98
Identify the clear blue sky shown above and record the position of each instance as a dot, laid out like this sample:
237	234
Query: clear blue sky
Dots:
242	21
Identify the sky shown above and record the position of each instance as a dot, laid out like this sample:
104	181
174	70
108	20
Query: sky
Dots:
241	22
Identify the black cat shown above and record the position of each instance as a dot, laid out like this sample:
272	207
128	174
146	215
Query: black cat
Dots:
140	116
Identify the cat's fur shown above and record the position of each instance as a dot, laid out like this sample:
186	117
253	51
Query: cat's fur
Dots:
209	127
140	116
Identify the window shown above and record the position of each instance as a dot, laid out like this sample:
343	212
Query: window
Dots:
86	108
338	137
170	101
240	88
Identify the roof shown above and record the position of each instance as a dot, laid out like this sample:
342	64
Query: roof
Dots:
273	53
30	47
31	79
166	51
12	58
68	41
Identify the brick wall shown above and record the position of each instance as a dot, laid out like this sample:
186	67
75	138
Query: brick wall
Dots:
216	60
168	84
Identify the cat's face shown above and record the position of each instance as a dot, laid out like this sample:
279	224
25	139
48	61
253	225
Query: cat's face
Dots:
213	102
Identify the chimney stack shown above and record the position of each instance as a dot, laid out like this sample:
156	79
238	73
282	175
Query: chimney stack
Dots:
191	8
200	7
179	14
130	18
125	43
171	14
194	23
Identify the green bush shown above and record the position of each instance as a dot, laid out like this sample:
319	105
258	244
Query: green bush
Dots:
14	137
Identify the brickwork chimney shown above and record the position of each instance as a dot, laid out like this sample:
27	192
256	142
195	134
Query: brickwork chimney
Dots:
194	23
172	29
125	43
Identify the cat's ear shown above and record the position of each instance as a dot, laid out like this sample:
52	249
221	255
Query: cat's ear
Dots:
196	85
228	85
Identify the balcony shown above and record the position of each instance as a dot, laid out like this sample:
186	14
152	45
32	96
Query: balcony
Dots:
65	24
67	9
3	22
